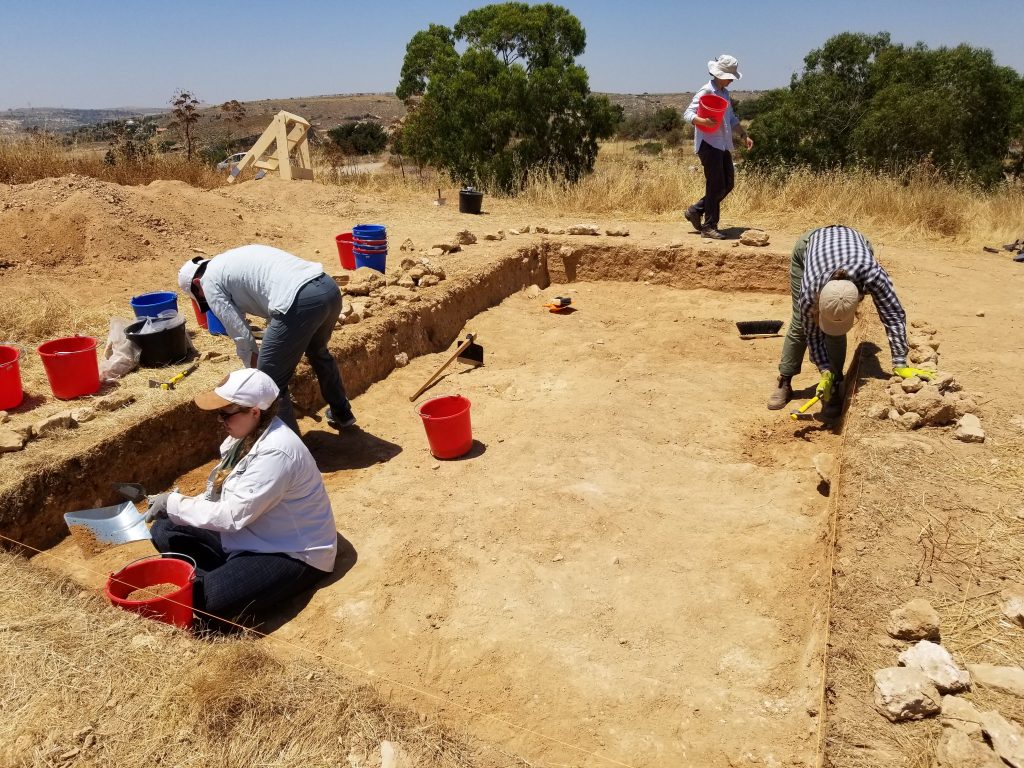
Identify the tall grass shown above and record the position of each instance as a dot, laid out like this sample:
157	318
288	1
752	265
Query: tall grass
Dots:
23	160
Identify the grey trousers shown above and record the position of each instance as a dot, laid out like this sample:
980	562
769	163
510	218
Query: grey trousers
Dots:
795	344
305	329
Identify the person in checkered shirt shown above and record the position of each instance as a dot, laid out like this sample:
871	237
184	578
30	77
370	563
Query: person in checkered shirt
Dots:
831	270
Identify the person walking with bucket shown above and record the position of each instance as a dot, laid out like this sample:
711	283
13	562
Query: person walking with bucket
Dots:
712	116
302	304
263	531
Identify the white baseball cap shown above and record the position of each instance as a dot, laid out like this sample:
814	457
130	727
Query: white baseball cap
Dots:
187	273
837	307
249	388
725	67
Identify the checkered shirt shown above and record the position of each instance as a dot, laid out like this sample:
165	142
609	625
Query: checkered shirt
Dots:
832	248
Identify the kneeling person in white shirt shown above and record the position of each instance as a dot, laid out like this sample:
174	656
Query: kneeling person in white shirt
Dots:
263	531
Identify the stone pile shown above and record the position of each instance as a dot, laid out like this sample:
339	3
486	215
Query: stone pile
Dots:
15	438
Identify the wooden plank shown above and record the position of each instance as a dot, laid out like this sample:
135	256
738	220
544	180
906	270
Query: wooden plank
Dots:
304	174
284	166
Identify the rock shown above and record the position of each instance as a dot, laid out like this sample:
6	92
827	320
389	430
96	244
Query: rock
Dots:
979	313
1007	738
499	235
945	382
962	404
878	411
902	693
514	232
533	291
402	359
408	246
754	237
933	409
937	665
417	272
113	401
923	342
407	264
83	414
910	420
960	715
435	252
1013	603
558	232
405	281
957	749
428	281
354	318
213	356
1003	679
538	230
968	429
51	424
916	620
913	384
584	229
4	418
11	441
824	465
617	232
566	251
364	282
393	756
465	237
923	356
433	269
894	415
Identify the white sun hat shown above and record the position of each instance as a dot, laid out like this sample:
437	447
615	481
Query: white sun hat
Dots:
725	67
837	307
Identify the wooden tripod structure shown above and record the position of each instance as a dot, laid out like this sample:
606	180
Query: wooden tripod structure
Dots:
285	133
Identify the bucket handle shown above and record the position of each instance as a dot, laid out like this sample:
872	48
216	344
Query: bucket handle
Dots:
161	555
427	416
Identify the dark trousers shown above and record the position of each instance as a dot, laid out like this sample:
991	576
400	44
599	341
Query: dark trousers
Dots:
719	179
305	329
239	588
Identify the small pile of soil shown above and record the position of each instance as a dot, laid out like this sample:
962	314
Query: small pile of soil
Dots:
157	590
87	541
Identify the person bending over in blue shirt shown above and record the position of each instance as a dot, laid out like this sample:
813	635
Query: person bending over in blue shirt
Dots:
714	148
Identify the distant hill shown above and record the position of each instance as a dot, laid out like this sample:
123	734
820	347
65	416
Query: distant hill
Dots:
324	112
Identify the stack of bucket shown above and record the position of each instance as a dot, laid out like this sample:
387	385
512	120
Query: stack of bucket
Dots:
370	246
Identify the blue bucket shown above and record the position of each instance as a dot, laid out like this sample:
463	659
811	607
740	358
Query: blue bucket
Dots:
369	232
152	304
215	326
375	261
370	248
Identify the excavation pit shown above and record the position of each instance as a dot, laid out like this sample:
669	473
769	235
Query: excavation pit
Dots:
630	560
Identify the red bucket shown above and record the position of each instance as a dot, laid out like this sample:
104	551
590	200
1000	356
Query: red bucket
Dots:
200	315
711	106
71	366
11	393
173	608
344	243
446	420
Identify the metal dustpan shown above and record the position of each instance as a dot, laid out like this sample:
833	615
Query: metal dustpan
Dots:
111	525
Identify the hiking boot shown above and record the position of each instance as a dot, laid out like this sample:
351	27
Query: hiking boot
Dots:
833	409
712	233
694	218
781	395
347	420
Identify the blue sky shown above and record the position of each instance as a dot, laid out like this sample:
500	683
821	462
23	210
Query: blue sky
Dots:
100	53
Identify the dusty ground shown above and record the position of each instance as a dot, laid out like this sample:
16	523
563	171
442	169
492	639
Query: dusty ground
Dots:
652	448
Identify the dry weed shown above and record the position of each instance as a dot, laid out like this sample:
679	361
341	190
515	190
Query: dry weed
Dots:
47	313
84	684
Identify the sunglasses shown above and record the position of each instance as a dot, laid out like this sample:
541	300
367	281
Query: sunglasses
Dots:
224	414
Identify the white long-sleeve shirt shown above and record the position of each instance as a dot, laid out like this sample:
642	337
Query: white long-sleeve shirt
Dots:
253	280
721	137
273	500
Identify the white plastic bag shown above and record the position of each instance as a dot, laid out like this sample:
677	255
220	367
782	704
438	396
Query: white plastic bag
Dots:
120	356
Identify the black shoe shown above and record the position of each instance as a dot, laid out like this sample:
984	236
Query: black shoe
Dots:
694	218
347	420
712	233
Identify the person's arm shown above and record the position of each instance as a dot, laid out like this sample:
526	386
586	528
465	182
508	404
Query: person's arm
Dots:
234	323
891	313
261	486
738	129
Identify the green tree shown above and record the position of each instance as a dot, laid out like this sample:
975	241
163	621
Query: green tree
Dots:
863	100
185	111
362	138
234	111
513	103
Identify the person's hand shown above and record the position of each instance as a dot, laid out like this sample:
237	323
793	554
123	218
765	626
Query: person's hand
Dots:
157	507
707	122
749	142
825	386
906	373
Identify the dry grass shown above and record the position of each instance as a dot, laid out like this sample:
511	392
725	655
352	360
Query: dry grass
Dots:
32	317
84	684
26	160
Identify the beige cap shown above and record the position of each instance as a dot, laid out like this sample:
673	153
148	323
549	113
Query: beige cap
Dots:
248	388
837	307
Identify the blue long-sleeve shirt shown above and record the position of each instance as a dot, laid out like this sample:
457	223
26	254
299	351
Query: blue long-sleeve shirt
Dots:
721	137
832	248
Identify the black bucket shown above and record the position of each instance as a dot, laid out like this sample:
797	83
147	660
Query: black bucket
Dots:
162	348
470	201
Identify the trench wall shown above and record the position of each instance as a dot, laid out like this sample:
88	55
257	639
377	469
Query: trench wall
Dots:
164	444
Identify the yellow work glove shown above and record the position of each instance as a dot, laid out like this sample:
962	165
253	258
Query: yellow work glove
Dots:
906	373
825	386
